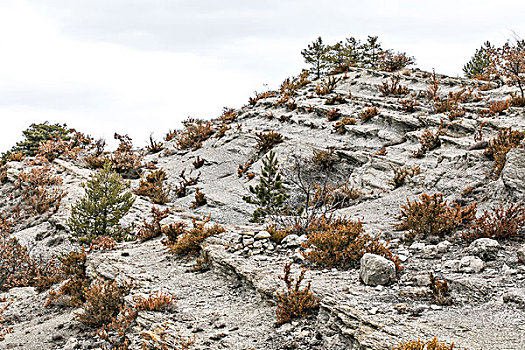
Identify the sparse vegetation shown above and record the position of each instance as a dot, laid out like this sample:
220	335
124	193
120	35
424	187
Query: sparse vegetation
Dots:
504	221
402	173
200	199
368	113
499	146
433	216
41	189
152	229
187	240
433	344
195	133
294	302
439	290
339	127
266	141
155	302
153	187
477	67
394	88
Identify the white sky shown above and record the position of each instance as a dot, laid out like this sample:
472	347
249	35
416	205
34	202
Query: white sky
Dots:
142	66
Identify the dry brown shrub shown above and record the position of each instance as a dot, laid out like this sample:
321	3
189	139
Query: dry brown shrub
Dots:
152	229
18	269
394	88
188	242
439	290
335	197
266	141
433	216
333	115
124	161
499	146
181	189
368	114
103	243
104	301
153	187
504	221
41	189
155	302
341	242
260	96
294	302
429	141
195	133
73	267
409	104
401	174
3	329
339	127
433	344
498	107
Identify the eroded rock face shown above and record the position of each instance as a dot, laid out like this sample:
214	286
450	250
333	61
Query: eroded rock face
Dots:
513	171
376	270
227	305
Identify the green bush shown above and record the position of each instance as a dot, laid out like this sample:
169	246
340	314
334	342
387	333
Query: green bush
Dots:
98	213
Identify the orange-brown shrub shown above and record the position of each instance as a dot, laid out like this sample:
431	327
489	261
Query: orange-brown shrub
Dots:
327	86
294	302
155	302
198	162
409	104
433	344
517	100
104	301
221	131
368	113
40	189
339	127
18	269
402	173
341	242
200	199
153	187
266	141
336	100
73	267
3	330
333	115
152	229
433	216
182	188
195	133
124	161
432	92
498	107
499	146
439	290
324	160
428	141
228	115
102	243
394	88
188	242
260	96
502	222
334	197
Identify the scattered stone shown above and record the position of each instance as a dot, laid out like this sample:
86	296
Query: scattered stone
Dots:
471	264
376	270
484	248
262	235
293	240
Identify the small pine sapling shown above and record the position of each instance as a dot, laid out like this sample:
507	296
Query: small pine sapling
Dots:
269	194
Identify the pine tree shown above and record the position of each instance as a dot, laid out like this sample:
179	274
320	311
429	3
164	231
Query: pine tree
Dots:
269	194
371	52
316	56
479	63
98	213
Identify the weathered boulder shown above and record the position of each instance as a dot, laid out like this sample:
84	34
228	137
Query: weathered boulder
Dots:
376	270
471	264
484	248
521	254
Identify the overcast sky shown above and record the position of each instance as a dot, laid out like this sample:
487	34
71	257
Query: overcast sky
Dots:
142	66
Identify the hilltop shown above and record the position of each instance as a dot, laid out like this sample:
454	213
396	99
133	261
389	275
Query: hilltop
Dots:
381	141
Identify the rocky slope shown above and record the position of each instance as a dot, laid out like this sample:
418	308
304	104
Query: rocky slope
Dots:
229	305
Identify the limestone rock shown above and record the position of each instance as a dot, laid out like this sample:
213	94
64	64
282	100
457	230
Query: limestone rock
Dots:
376	270
521	254
484	248
471	264
514	169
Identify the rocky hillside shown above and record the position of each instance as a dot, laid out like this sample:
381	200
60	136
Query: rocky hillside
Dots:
390	138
